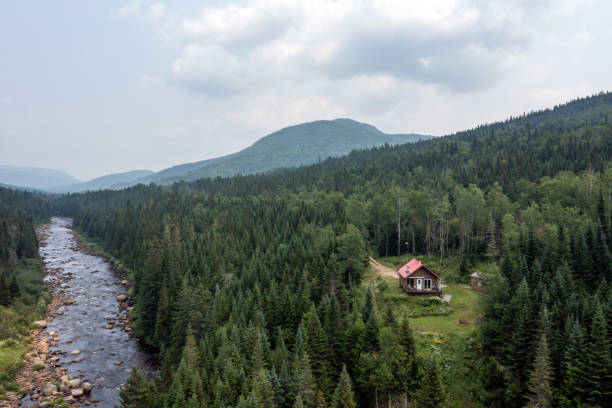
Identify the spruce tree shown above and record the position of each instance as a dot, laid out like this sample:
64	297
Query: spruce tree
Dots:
539	386
343	396
321	403
370	336
598	368
431	394
575	351
137	391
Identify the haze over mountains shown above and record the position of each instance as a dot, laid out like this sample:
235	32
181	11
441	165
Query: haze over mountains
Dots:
35	177
292	146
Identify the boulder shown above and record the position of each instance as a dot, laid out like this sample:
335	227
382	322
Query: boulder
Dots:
86	387
122	298
74	383
41	323
76	393
48	389
75	352
64	379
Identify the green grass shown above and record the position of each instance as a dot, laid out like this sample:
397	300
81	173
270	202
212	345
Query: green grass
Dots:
464	303
11	362
16	319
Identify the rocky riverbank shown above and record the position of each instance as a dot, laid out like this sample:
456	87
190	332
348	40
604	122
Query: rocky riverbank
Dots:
82	352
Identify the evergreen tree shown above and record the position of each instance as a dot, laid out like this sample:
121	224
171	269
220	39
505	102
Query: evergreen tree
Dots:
137	392
343	396
431	394
597	372
540	388
574	354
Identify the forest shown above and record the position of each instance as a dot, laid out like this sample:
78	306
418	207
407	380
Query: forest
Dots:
251	286
23	296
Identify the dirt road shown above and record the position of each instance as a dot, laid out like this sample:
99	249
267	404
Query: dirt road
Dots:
383	271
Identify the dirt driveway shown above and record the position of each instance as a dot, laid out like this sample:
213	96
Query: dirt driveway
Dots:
382	270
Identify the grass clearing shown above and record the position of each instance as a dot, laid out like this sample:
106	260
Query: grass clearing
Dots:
433	319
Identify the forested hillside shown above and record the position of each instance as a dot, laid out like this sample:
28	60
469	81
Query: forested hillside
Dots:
292	146
250	286
23	297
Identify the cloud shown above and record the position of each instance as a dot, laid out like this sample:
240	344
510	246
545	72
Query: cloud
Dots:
138	9
156	10
460	45
129	9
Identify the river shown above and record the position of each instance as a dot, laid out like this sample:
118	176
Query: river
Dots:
108	353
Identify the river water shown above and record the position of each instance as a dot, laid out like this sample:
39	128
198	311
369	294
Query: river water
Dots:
93	287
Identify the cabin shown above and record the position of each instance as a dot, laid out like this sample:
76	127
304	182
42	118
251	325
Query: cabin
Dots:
477	282
417	279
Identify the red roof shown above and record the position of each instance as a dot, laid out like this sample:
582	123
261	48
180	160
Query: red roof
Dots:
411	267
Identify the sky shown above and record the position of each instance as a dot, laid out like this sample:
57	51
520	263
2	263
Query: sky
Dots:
94	88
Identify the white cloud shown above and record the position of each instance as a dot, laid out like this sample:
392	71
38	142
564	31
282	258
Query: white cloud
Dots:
138	9
263	41
156	10
129	9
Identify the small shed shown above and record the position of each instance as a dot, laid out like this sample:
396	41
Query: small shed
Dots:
478	282
417	279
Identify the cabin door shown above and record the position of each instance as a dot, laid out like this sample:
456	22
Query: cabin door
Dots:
419	284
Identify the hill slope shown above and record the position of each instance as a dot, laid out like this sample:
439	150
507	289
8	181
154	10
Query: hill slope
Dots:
292	146
104	182
35	177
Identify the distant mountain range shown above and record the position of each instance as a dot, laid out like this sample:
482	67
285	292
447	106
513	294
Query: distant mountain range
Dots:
35	177
104	182
292	146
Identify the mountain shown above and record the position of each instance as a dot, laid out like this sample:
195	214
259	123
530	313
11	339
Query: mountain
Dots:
104	182
292	146
35	177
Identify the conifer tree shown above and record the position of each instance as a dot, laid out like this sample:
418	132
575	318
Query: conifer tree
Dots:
299	402
321	403
431	394
370	336
368	307
574	353
597	371
343	396
407	365
539	386
318	351
137	392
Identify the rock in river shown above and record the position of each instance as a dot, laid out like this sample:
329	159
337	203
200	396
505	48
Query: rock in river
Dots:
48	389
75	382
122	298
86	387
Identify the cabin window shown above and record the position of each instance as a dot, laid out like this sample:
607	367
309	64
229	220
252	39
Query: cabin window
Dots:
427	283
